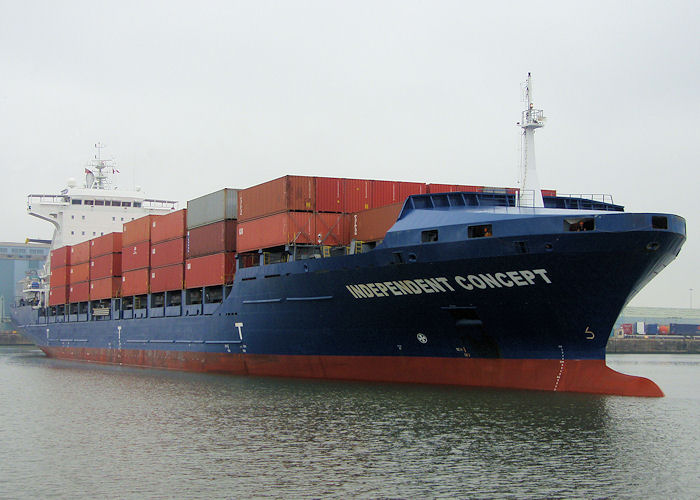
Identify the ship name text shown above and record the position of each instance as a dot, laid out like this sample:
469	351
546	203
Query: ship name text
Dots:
441	284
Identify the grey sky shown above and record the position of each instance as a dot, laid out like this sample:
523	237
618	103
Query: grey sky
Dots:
192	97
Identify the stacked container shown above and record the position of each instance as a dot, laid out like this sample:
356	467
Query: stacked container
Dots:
372	225
105	266
136	255
210	244
79	275
60	269
168	251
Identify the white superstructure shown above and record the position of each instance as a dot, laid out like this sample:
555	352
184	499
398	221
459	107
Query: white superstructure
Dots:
96	208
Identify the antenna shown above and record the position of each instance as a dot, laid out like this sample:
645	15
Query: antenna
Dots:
531	120
99	179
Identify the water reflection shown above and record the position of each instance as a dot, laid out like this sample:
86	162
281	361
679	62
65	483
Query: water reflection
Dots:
147	432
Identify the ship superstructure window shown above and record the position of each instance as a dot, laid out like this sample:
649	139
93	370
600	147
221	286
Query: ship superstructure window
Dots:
89	202
99	203
127	204
582	224
76	202
481	231
137	204
429	236
659	222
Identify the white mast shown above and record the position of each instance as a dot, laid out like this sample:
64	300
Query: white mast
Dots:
532	119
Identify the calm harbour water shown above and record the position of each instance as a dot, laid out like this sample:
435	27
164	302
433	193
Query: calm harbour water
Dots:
74	430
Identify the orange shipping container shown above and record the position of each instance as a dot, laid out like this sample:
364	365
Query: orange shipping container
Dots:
80	253
372	225
59	276
105	288
212	238
136	256
333	228
453	188
167	278
277	230
79	292
358	195
79	272
58	295
286	193
167	253
210	270
138	230
102	245
135	282
169	227
390	192
105	266
330	194
60	257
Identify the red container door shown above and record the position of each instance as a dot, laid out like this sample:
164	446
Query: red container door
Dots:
372	225
79	272
137	230
168	253
136	256
102	245
277	230
105	288
211	270
333	228
105	266
358	195
212	238
167	278
169	227
330	193
59	276
58	295
80	253
135	282
60	257
79	292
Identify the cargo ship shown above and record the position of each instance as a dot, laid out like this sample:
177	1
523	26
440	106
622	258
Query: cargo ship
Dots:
361	279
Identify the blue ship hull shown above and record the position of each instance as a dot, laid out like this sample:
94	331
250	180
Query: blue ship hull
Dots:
530	307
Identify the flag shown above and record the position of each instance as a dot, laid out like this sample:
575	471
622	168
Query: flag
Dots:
115	171
87	171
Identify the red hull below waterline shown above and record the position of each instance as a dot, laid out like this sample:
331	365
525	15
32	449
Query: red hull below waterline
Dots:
589	376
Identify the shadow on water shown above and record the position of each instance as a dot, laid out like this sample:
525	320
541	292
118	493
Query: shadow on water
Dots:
246	436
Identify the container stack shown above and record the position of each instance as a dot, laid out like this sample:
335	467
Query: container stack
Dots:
79	275
136	256
105	266
453	188
211	238
168	251
60	270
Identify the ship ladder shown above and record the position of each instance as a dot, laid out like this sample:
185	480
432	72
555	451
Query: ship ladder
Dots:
326	251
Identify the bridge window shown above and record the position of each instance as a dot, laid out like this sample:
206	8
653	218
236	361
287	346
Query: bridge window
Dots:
76	202
89	202
481	231
99	203
137	204
429	236
127	204
659	222
582	224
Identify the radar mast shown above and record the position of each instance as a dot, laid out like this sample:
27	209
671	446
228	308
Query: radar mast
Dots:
532	119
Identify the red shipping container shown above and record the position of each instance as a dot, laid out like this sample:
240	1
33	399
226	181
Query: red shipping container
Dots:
549	192
105	288
135	282
102	245
169	227
453	188
79	272
136	256
210	270
58	295
277	230
372	225
168	253
333	228
212	238
79	292
390	192
60	257
330	194
167	278
59	276
358	195
105	266
286	193
80	253
137	230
